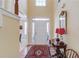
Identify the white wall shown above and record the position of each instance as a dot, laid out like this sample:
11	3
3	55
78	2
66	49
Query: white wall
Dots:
9	5
2	3
73	23
72	7
23	6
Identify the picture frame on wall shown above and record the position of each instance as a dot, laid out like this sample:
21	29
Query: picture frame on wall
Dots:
63	20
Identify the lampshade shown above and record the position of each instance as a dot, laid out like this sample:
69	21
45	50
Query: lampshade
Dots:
57	30
60	31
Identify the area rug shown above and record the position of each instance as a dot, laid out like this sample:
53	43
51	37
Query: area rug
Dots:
38	51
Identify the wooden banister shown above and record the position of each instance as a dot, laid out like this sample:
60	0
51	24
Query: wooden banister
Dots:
16	7
70	53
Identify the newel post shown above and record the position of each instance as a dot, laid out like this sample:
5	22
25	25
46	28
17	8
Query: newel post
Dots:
16	7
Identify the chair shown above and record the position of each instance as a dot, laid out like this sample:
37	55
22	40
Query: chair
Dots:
70	53
60	49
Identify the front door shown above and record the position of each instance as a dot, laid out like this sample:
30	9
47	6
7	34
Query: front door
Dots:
40	32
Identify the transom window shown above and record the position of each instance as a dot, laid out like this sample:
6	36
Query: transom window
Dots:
42	19
40	2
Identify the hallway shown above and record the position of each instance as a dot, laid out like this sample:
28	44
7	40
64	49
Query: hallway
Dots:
59	14
39	28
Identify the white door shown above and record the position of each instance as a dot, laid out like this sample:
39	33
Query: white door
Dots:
40	32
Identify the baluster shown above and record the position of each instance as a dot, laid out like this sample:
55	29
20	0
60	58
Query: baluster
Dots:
16	7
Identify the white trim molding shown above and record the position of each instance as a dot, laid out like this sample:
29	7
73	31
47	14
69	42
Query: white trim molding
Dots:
7	13
1	20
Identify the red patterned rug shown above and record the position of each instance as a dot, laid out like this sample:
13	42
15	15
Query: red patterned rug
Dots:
38	51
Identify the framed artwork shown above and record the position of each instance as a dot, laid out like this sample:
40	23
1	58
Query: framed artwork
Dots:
63	20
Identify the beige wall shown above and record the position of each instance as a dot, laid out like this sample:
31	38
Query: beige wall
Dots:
9	38
72	7
34	11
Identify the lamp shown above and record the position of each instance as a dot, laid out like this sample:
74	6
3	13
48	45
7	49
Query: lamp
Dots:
60	31
57	31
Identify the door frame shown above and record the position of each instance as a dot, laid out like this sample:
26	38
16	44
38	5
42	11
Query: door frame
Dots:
48	20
